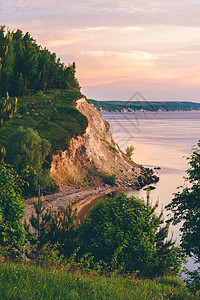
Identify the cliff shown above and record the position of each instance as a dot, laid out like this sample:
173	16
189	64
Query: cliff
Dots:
94	154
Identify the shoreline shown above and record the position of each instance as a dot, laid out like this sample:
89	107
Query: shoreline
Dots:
79	197
84	196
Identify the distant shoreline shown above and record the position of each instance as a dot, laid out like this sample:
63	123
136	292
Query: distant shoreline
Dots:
145	106
150	111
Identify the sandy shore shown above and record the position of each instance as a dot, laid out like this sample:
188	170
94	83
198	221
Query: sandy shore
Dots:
79	196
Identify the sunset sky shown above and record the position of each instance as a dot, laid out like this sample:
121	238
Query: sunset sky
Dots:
120	47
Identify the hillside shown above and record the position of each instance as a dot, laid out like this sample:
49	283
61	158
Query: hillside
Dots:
51	110
53	114
95	154
121	106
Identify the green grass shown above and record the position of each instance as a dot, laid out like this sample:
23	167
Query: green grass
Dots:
18	281
52	114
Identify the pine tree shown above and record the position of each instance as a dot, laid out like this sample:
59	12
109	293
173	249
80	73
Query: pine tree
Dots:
62	229
39	221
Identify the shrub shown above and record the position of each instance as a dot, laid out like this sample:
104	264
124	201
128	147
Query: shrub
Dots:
126	234
129	151
12	208
26	148
110	179
26	151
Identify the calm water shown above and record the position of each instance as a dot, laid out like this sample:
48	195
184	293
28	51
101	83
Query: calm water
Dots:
162	139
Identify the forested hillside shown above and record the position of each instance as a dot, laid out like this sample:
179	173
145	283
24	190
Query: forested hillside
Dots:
38	116
122	106
27	67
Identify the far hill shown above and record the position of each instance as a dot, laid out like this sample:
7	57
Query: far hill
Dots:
124	106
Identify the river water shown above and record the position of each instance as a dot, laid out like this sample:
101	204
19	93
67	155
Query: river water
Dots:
161	139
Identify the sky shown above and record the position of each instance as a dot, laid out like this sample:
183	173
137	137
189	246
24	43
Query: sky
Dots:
120	47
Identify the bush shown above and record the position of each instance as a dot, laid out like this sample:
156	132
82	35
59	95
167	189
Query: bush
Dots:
126	234
35	180
193	281
26	148
12	208
26	151
110	179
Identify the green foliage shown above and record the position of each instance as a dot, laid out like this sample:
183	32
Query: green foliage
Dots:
5	40
7	109
62	230
11	207
129	151
127	234
32	282
56	231
186	207
49	256
27	68
193	281
52	114
25	149
39	222
110	179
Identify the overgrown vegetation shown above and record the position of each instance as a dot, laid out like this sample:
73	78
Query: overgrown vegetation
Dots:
185	207
27	68
11	211
32	282
111	241
43	119
122	235
127	235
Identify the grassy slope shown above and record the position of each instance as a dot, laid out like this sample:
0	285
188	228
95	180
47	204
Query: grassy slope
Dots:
31	282
52	114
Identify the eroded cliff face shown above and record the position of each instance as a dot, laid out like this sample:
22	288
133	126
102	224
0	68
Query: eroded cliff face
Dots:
93	154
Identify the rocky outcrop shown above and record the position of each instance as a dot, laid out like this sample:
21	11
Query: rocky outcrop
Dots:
94	154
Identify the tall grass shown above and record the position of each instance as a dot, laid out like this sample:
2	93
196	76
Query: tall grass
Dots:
18	281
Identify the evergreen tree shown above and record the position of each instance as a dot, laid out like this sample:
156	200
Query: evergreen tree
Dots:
39	221
27	68
62	230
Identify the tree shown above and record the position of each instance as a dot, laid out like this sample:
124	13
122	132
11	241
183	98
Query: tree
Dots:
26	67
56	229
7	109
26	148
26	151
12	208
126	233
39	221
185	207
62	230
129	151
